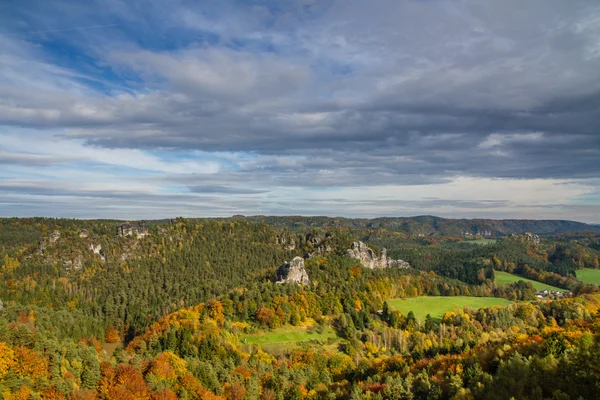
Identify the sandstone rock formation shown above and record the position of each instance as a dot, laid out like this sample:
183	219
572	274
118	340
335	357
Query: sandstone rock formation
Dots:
41	247
320	245
75	265
286	241
391	263
292	272
129	229
532	238
54	236
97	249
367	256
84	233
43	244
369	259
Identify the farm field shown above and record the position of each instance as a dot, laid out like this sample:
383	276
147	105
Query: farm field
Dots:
504	278
588	275
288	336
436	306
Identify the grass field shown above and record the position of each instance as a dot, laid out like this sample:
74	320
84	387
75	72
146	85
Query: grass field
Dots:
589	276
482	241
436	306
110	348
504	278
288	335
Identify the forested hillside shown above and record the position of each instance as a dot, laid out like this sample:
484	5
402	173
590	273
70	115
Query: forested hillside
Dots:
429	225
164	309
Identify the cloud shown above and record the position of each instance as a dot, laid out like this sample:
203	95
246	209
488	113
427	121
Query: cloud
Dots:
224	190
255	99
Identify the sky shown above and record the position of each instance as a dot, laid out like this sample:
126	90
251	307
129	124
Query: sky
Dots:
136	109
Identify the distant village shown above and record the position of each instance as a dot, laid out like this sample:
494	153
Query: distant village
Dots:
478	233
556	294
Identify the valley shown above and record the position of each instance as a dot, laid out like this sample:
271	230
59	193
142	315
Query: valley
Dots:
208	308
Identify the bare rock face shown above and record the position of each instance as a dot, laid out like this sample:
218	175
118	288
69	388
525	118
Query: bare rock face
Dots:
532	238
128	229
97	249
320	245
367	256
42	245
292	272
397	263
369	259
286	241
84	233
74	264
54	236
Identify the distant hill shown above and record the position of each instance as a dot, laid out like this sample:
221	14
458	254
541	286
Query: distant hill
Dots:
430	225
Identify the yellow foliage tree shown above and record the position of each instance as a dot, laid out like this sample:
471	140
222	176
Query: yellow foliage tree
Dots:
7	359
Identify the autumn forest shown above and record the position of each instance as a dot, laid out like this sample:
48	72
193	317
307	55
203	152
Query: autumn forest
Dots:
216	309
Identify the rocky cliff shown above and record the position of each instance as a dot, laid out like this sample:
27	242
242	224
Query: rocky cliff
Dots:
97	249
292	272
287	241
369	259
140	230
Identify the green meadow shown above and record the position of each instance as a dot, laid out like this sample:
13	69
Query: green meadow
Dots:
589	275
289	336
504	278
436	306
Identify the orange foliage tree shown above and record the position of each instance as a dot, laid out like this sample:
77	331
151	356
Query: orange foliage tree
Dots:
112	335
30	364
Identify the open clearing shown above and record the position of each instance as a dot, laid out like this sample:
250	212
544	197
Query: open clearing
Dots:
436	306
288	335
110	348
589	275
482	241
504	278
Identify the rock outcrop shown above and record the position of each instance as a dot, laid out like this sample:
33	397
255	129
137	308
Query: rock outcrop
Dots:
84	233
287	241
367	256
54	236
97	249
369	259
532	238
1	305
42	245
292	272
75	265
128	229
319	245
391	263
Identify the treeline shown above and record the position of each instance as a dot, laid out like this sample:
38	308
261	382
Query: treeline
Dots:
428	225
